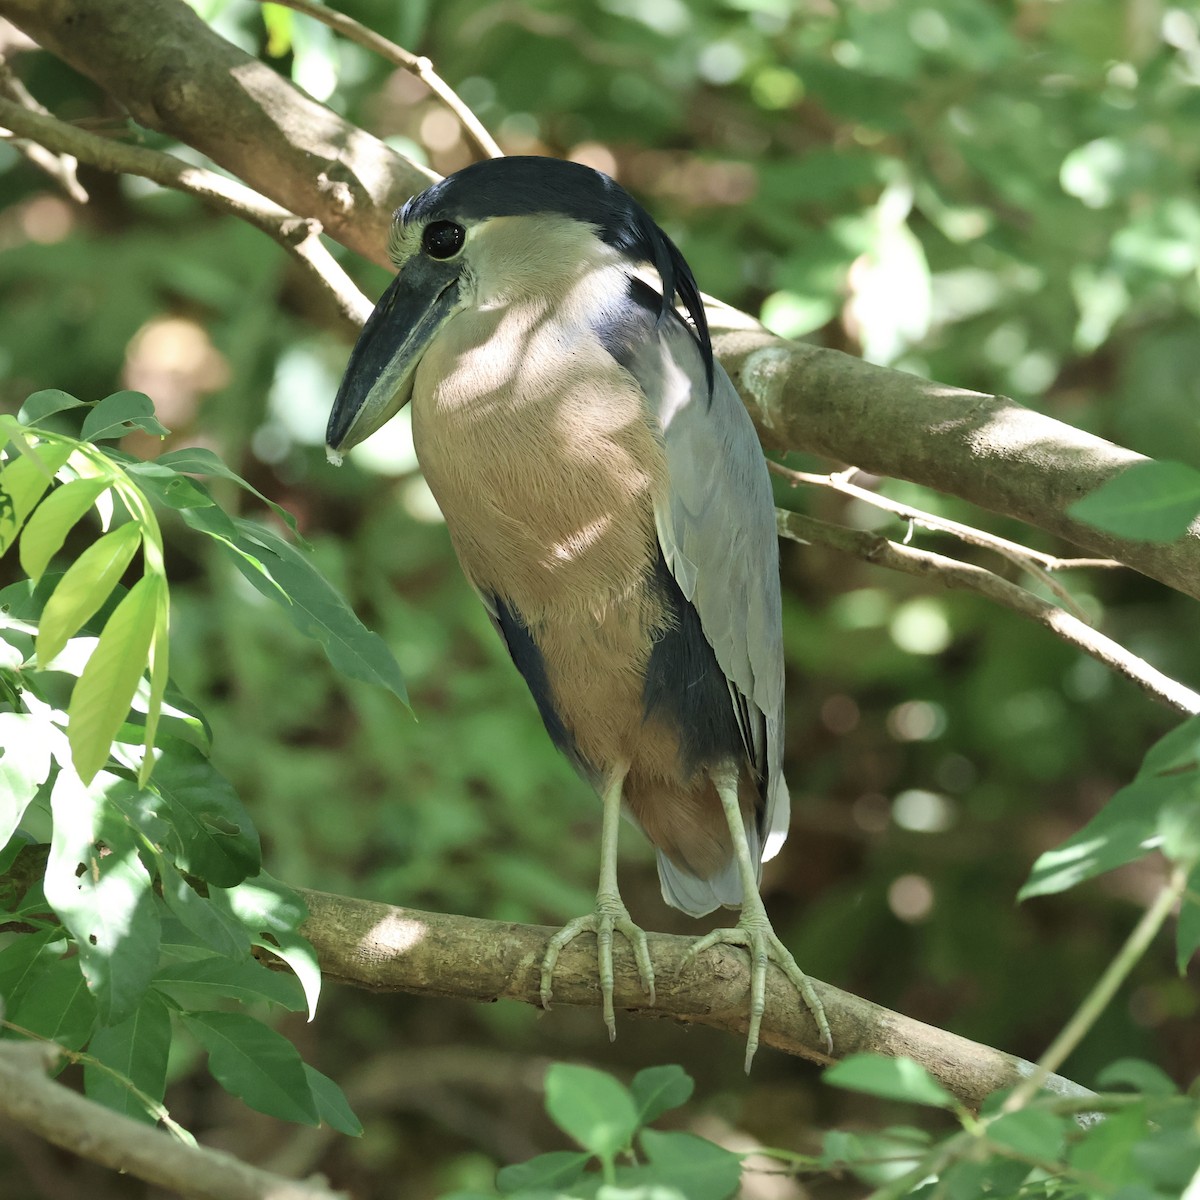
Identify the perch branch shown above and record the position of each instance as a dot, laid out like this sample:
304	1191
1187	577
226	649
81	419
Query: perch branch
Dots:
32	1100
951	573
417	64
383	948
298	235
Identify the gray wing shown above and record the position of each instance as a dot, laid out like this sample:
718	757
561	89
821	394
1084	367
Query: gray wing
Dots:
716	528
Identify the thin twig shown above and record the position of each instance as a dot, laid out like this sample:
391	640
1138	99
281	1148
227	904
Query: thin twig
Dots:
300	236
60	167
420	66
1035	562
875	548
61	1116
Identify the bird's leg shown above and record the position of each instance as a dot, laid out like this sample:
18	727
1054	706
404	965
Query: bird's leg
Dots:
610	914
755	932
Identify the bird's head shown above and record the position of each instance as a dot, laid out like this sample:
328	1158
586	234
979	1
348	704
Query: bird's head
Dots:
479	236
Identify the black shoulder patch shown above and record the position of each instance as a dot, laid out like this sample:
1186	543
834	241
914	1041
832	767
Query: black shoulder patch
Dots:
685	686
527	657
626	329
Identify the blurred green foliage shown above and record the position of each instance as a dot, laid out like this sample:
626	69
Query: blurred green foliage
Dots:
999	195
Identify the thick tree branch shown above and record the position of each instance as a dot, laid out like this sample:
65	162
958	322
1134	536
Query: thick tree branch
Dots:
61	1116
875	548
383	948
985	449
175	74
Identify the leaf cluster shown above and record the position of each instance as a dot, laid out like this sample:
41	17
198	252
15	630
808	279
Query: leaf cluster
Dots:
154	910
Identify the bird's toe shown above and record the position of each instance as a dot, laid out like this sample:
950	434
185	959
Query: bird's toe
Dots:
610	917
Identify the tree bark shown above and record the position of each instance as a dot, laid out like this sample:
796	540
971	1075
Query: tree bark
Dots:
384	948
174	74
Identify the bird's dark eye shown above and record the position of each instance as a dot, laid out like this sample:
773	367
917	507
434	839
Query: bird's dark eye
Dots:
442	239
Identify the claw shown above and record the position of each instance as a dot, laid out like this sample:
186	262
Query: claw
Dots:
755	933
610	916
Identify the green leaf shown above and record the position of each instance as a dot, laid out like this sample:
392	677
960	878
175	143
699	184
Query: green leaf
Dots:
1149	501
891	1078
993	1177
875	1158
256	1064
1174	751
316	609
192	811
657	1090
23	482
247	980
1107	1149
166	485
1122	831
101	698
1187	933
57	1005
1170	1159
332	1106
25	745
1132	823
195	460
272	913
1178	826
1031	1132
212	924
84	587
108	906
1139	1076
700	1169
547	1172
44	404
24	960
53	519
591	1107
137	1049
119	414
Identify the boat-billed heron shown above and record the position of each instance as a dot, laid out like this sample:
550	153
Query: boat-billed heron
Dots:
606	494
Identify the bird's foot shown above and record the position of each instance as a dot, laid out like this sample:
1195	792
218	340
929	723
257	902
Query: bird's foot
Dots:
610	916
755	933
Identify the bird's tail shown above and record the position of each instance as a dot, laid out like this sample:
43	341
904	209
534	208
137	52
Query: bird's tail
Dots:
696	897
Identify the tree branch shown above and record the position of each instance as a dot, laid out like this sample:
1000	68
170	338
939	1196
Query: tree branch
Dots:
60	167
299	236
875	548
985	449
384	948
175	74
61	1116
1033	562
